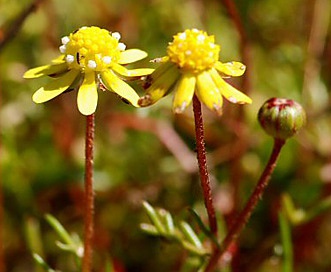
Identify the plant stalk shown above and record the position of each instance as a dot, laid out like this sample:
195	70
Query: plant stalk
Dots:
236	229
89	196
286	238
2	251
202	161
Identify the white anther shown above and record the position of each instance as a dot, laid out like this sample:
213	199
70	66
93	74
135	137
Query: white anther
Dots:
91	64
116	35
106	59
65	40
201	37
188	52
182	36
62	48
121	46
70	58
212	45
195	30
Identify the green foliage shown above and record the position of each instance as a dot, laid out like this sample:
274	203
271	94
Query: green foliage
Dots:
163	226
70	244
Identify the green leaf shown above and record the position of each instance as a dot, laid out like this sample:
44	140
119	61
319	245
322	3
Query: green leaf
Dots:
203	227
190	234
285	232
40	261
154	217
60	230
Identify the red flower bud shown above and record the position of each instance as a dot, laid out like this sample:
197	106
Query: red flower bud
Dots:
281	118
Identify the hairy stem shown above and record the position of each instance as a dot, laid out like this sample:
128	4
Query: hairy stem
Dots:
89	195
236	229
202	161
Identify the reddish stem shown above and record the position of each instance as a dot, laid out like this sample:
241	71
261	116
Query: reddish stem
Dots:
202	161
89	195
239	224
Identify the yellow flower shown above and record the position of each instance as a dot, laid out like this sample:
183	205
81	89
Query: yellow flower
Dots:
192	66
91	59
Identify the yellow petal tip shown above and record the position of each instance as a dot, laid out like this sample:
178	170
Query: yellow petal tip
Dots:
235	101
180	109
218	109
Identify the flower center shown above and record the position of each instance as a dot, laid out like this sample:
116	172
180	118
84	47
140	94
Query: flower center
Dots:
193	50
91	48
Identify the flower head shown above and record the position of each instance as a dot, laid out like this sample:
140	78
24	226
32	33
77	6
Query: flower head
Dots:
281	118
192	66
91	58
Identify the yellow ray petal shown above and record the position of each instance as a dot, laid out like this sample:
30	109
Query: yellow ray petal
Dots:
208	93
230	69
160	87
59	59
87	98
113	83
184	92
229	92
131	74
160	60
46	70
131	55
55	87
160	70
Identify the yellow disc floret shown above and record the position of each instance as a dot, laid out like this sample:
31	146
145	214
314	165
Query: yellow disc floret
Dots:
91	49
193	50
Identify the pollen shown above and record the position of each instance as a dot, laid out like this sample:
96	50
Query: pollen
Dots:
193	51
91	48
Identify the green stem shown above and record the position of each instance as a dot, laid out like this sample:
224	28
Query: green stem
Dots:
202	161
236	229
2	252
285	232
89	195
2	210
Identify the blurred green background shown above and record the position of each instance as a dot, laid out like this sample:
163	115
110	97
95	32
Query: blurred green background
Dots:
148	154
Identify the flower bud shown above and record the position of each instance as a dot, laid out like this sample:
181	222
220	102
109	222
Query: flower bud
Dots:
281	118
